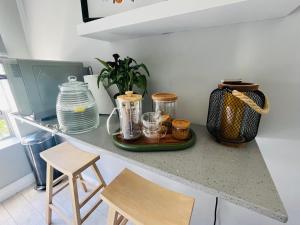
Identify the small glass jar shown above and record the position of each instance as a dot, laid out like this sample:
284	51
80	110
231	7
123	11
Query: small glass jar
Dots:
165	103
181	129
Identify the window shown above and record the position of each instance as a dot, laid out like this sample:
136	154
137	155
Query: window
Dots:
5	131
7	104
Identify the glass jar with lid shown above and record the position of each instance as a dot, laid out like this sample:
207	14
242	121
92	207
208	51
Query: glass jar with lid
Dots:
76	107
181	129
166	103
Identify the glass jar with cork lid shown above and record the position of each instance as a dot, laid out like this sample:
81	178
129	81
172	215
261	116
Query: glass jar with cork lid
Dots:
181	129
166	103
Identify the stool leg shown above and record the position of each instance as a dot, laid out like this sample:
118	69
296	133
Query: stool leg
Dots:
112	216
75	200
98	174
82	183
124	222
120	220
49	190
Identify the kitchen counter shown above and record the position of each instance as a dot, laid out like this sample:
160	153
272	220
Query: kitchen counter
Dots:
238	175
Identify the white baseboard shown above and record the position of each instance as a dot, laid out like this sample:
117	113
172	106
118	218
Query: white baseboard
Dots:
16	187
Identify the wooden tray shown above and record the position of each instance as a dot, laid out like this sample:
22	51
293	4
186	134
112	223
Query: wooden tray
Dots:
143	144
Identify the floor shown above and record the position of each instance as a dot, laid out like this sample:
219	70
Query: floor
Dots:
28	208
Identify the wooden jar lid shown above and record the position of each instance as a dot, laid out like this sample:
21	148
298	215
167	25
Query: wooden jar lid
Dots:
181	124
129	97
164	97
165	118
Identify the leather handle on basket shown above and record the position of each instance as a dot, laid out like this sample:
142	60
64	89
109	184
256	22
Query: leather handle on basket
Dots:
251	103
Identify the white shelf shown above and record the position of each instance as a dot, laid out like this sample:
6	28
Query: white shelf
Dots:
183	15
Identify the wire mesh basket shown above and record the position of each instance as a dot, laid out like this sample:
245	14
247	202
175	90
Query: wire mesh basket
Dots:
234	112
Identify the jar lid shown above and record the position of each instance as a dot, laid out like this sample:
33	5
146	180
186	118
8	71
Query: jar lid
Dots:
129	97
73	84
238	85
181	124
165	117
164	97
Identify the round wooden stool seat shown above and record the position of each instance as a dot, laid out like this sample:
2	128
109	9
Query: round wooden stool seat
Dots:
133	198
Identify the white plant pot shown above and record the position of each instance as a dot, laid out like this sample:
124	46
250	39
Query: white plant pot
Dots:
103	101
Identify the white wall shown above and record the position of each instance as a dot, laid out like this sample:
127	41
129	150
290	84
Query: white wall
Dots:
11	30
13	164
191	64
50	29
263	52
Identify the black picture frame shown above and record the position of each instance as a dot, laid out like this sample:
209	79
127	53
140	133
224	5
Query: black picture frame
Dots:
85	12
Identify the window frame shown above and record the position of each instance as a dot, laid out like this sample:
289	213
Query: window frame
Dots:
4	114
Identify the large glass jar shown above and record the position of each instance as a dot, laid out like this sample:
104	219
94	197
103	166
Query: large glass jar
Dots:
165	103
76	107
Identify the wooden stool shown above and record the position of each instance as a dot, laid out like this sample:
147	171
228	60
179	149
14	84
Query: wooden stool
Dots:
72	162
134	198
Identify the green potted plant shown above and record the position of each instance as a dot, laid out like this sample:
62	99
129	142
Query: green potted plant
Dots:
126	74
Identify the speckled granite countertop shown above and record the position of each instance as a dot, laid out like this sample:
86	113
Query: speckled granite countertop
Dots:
238	175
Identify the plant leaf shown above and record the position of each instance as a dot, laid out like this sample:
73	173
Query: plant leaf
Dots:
145	68
142	83
111	64
105	64
103	71
98	80
125	73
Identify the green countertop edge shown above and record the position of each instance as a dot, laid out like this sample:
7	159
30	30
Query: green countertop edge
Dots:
156	147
